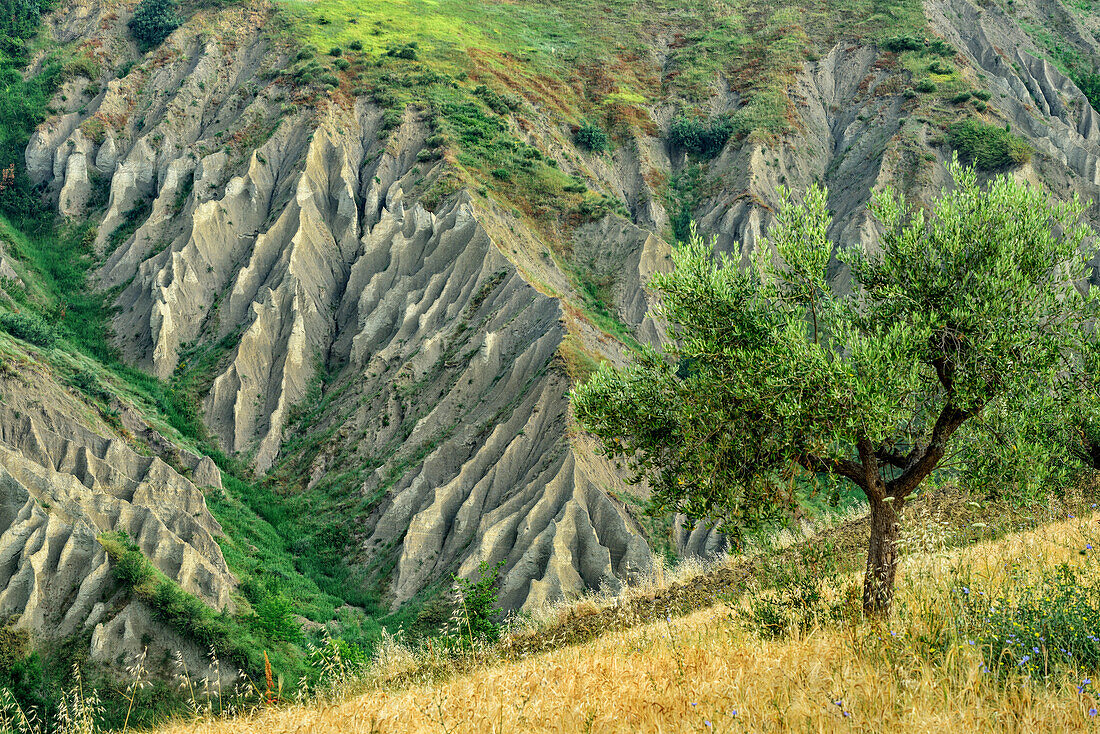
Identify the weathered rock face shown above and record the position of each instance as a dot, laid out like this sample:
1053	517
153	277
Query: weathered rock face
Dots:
65	478
437	340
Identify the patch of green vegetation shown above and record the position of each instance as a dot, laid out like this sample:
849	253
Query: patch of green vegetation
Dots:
1078	63
598	304
988	147
592	138
1048	626
153	21
134	217
241	639
29	328
685	192
581	57
701	138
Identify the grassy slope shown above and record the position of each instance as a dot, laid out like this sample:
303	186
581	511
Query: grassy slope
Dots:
580	59
917	673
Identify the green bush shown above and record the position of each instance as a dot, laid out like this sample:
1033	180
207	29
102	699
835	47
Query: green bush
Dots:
900	44
791	593
19	19
90	385
405	51
592	137
904	43
960	98
501	104
356	45
29	328
702	138
153	21
335	51
988	147
925	86
476	612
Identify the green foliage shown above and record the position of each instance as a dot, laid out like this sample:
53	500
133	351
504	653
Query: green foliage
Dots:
153	21
770	376
702	138
925	86
187	614
476	611
19	20
591	138
23	103
900	44
81	65
791	592
987	147
1047	626
404	51
29	328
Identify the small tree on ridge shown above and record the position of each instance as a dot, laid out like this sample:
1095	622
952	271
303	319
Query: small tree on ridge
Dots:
773	377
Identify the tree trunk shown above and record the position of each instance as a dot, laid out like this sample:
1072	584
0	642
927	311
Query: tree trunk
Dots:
882	558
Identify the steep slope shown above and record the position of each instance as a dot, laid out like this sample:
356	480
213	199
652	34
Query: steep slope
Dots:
67	476
380	268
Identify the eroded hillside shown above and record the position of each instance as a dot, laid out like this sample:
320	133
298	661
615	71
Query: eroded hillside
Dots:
377	251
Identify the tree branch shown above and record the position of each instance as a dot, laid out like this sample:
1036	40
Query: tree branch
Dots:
923	462
842	467
893	458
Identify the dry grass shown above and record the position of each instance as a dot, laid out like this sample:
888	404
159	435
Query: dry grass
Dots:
705	672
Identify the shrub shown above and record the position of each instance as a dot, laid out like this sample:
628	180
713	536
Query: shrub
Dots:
335	51
940	67
938	47
925	86
89	384
29	328
342	64
406	51
19	18
81	65
960	98
700	137
591	137
356	45
153	21
476	613
498	103
983	94
904	43
988	147
791	594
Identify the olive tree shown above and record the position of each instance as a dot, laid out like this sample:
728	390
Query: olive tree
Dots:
772	376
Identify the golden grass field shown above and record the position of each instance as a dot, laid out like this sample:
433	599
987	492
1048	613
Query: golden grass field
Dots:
706	672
